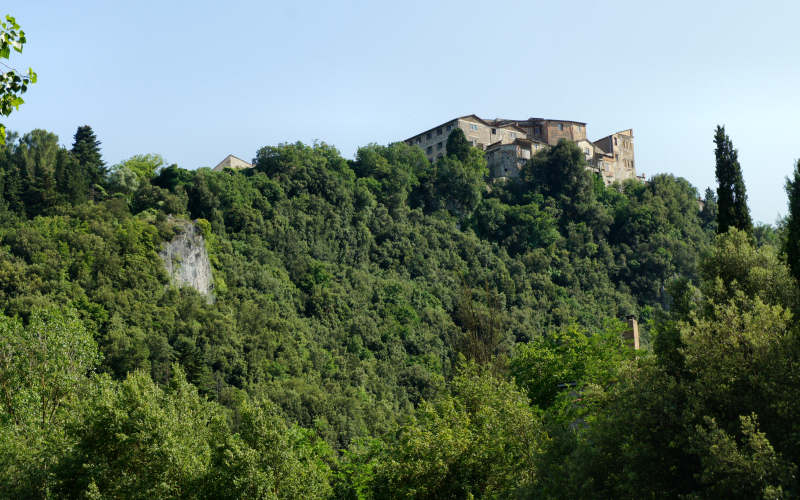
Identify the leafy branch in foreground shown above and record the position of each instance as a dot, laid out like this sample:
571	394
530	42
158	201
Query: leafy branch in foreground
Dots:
12	83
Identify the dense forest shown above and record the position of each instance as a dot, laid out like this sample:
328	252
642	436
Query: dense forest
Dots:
385	327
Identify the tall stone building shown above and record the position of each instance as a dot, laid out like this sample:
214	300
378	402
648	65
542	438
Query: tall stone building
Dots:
509	144
478	132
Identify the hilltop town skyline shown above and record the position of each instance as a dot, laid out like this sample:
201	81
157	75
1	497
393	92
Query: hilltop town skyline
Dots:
354	77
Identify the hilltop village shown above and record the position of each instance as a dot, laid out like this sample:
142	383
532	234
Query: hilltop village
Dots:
509	144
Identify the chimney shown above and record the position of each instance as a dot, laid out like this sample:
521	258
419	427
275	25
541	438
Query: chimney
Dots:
632	333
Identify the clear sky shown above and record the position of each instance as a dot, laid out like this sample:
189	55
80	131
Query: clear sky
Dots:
196	80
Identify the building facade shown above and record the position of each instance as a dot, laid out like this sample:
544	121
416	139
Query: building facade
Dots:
478	132
509	144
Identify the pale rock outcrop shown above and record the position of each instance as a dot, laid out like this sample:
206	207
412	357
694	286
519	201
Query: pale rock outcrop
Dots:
186	260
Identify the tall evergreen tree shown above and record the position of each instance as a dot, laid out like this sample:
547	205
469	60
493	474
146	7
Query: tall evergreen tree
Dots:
792	244
86	150
457	144
709	213
731	195
560	173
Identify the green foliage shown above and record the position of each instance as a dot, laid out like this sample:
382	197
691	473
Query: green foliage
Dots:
136	440
268	459
735	266
567	361
143	167
43	369
710	210
560	173
731	193
721	423
43	363
347	291
454	185
457	145
481	441
390	172
12	83
792	241
86	150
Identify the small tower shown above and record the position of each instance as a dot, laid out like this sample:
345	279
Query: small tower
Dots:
632	333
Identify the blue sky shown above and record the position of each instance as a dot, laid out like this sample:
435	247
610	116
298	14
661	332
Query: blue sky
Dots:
194	81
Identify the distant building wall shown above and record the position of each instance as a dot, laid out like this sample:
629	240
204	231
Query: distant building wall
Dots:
620	156
507	160
233	162
611	157
479	134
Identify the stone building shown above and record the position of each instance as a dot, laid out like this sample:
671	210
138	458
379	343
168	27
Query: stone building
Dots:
233	162
618	160
548	131
507	159
478	132
509	144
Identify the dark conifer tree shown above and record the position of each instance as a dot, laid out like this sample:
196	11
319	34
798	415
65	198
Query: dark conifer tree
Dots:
457	144
709	213
792	243
731	195
86	150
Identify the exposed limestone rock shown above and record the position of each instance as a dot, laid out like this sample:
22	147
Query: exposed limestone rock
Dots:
186	260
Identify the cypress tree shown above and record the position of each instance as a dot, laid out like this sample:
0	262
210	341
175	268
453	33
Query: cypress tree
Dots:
709	213
792	243
731	195
457	144
86	150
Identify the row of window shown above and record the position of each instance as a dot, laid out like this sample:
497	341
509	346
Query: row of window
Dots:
439	131
439	147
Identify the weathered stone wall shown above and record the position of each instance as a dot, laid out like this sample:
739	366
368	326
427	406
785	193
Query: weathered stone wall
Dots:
612	157
434	141
506	160
186	260
556	130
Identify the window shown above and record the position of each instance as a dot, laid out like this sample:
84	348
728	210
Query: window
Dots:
439	146
537	130
429	149
472	126
428	135
439	131
450	127
494	131
615	141
587	151
560	126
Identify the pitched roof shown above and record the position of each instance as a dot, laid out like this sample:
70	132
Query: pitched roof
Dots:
472	117
226	162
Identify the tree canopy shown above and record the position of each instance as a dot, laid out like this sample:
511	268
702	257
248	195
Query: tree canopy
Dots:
731	193
387	327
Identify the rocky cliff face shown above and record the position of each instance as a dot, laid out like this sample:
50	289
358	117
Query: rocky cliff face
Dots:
186	260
